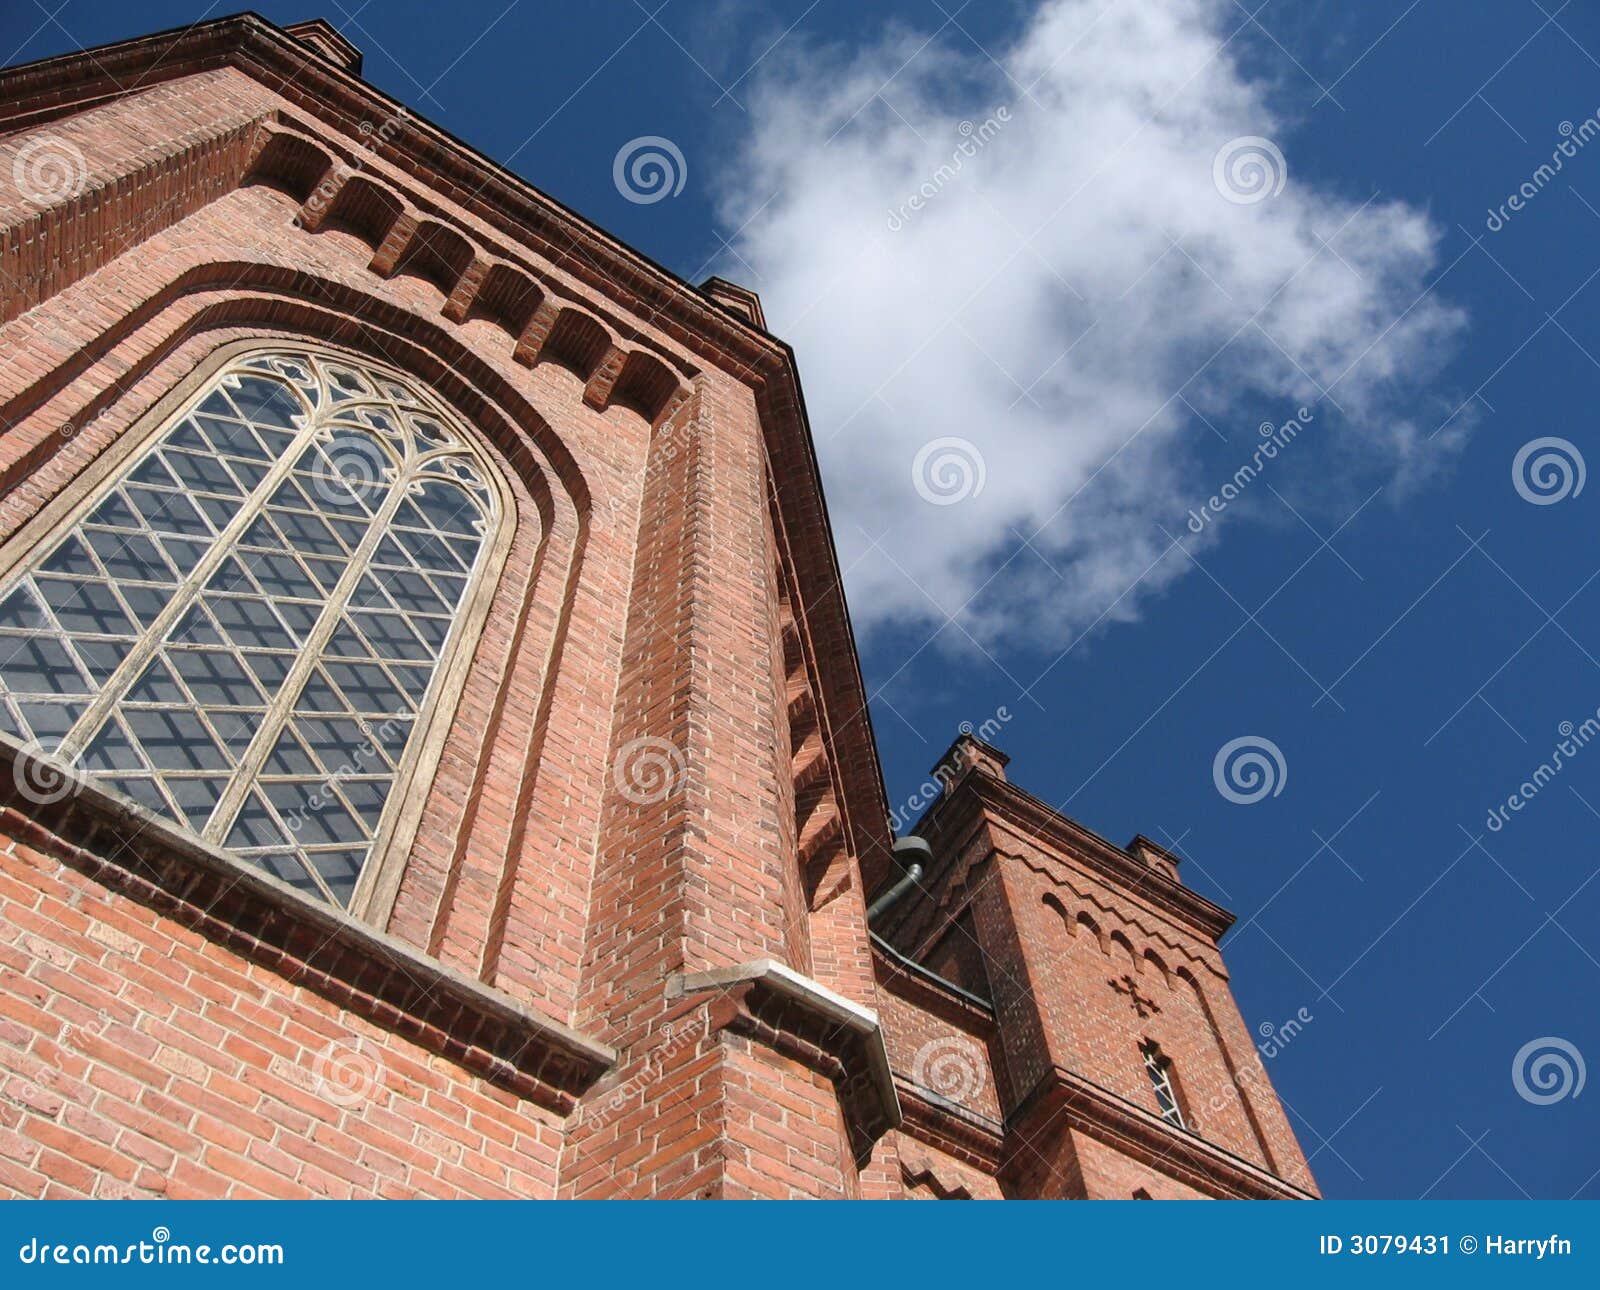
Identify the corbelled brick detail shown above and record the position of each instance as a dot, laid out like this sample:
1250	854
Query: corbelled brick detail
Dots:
1093	952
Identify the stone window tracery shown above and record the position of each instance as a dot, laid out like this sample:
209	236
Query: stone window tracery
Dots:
244	628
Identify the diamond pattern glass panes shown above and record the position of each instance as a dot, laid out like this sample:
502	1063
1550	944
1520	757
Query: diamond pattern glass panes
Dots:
242	631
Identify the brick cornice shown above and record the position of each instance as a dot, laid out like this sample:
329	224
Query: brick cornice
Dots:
792	457
978	796
308	943
697	319
328	41
1064	1100
45	90
953	1129
806	1022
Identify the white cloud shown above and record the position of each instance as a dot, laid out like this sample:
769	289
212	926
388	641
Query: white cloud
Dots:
1089	222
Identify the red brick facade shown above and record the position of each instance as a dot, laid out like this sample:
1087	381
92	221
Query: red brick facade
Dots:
629	952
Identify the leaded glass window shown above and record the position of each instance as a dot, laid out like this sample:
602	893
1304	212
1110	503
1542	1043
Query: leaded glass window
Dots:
243	629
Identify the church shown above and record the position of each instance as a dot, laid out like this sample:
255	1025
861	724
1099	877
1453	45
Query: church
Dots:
434	758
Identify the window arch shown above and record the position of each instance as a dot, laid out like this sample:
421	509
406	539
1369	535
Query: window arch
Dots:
245	627
1164	1083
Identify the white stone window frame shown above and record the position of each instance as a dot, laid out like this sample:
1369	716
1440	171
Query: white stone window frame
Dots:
378	886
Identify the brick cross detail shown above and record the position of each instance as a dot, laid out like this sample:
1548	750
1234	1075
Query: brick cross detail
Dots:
1143	1004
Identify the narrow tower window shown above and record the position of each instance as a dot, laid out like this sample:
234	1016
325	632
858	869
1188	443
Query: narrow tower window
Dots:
1159	1069
243	628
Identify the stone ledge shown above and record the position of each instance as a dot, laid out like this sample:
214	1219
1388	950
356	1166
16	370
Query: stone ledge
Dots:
956	1130
773	1004
1063	1099
126	848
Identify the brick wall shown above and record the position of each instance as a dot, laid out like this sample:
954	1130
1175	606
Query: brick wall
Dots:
941	1055
210	211
138	1058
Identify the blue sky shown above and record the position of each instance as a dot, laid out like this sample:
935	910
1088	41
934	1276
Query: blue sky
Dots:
1381	603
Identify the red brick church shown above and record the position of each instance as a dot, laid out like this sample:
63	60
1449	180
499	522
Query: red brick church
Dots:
433	754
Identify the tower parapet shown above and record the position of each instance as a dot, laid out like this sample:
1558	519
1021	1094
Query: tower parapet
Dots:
1117	1056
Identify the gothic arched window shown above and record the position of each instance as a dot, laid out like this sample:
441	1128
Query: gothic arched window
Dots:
245	626
1158	1067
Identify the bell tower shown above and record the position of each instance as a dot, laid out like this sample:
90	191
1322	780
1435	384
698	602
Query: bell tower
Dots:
1122	1066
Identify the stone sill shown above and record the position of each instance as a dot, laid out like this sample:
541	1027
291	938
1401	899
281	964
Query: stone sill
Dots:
311	944
772	1003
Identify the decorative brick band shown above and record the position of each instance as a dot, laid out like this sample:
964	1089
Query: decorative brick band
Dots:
310	944
1065	1100
794	1015
956	1130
